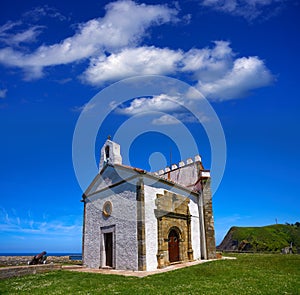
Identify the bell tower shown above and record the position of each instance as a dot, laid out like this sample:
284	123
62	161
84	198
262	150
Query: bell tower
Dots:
110	153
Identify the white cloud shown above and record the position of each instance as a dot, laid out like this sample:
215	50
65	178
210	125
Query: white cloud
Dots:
216	71
172	105
249	9
12	223
27	36
84	108
173	119
194	94
117	29
131	62
8	26
159	103
165	120
43	11
245	75
23	36
112	45
3	93
208	64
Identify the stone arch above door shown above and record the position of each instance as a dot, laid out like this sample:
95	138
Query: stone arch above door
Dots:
173	213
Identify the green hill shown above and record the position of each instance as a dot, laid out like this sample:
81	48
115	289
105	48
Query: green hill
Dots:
271	238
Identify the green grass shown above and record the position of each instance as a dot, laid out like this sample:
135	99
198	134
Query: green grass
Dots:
248	274
268	238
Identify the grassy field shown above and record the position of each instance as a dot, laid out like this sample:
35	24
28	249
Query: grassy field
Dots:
248	274
268	238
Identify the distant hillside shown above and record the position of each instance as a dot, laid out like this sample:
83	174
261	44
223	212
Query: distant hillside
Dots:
271	238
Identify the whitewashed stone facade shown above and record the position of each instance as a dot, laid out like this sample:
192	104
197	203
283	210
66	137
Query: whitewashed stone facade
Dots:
138	220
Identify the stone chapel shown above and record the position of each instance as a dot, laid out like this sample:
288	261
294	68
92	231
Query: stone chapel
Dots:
139	220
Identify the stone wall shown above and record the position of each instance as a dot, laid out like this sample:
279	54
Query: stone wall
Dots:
195	227
192	175
15	271
141	238
185	173
113	151
151	226
122	223
173	213
208	220
23	260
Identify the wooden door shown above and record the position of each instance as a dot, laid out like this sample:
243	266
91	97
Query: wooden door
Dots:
173	246
108	241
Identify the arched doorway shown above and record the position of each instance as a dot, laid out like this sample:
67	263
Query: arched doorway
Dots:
174	229
173	246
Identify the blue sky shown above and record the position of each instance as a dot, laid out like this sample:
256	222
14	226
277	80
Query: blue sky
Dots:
242	55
